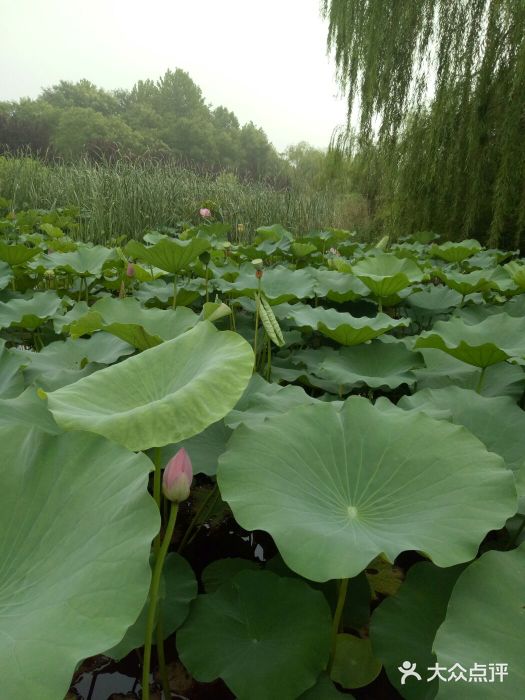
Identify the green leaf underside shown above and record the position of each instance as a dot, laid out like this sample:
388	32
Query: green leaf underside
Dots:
162	396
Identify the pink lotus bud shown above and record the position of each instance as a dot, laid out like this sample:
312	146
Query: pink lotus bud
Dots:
178	476
130	272
205	213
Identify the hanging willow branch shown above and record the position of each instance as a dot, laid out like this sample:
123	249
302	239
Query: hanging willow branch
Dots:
438	90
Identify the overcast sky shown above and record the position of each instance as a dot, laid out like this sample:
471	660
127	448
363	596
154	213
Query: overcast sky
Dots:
266	61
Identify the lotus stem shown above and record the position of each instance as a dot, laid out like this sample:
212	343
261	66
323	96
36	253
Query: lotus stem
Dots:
343	586
480	381
257	302
153	598
175	291
206	283
162	658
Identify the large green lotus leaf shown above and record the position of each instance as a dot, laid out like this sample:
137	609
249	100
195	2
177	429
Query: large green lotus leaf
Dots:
70	353
169	254
403	627
62	324
279	284
275	232
496	339
498	422
62	362
376	364
125	317
354	664
386	274
335	488
86	261
434	299
356	611
221	571
442	370
338	286
11	377
204	449
156	290
6	275
77	525
262	400
29	313
265	636
468	283
342	327
163	395
455	252
28	410
301	249
17	254
516	270
485	625
177	589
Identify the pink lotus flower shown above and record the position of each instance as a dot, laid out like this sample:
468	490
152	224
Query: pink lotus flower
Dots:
205	213
130	272
177	478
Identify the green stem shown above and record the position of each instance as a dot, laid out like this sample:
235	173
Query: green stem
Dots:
256	332
153	599
163	672
481	378
343	586
257	302
175	291
206	284
196	518
380	305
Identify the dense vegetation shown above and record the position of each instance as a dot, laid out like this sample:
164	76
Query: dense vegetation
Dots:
126	198
167	118
353	419
438	87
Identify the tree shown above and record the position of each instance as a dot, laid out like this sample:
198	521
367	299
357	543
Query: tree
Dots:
82	94
438	87
83	130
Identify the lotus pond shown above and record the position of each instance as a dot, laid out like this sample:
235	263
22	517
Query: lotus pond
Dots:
342	435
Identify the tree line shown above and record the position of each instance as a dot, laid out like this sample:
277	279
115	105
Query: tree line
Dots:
167	118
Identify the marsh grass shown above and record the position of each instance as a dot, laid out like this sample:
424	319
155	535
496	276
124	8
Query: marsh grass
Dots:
127	198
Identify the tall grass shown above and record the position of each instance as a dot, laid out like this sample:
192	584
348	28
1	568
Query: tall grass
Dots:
127	198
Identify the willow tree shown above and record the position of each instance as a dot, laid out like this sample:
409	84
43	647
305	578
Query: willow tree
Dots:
437	88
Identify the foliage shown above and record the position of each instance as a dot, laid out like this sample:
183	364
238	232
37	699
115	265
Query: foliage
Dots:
392	499
439	88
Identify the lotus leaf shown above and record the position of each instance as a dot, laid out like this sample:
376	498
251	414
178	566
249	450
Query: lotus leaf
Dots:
496	339
279	627
77	524
485	625
456	252
164	395
336	487
170	255
404	626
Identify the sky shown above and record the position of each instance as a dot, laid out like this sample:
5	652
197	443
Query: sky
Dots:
266	61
